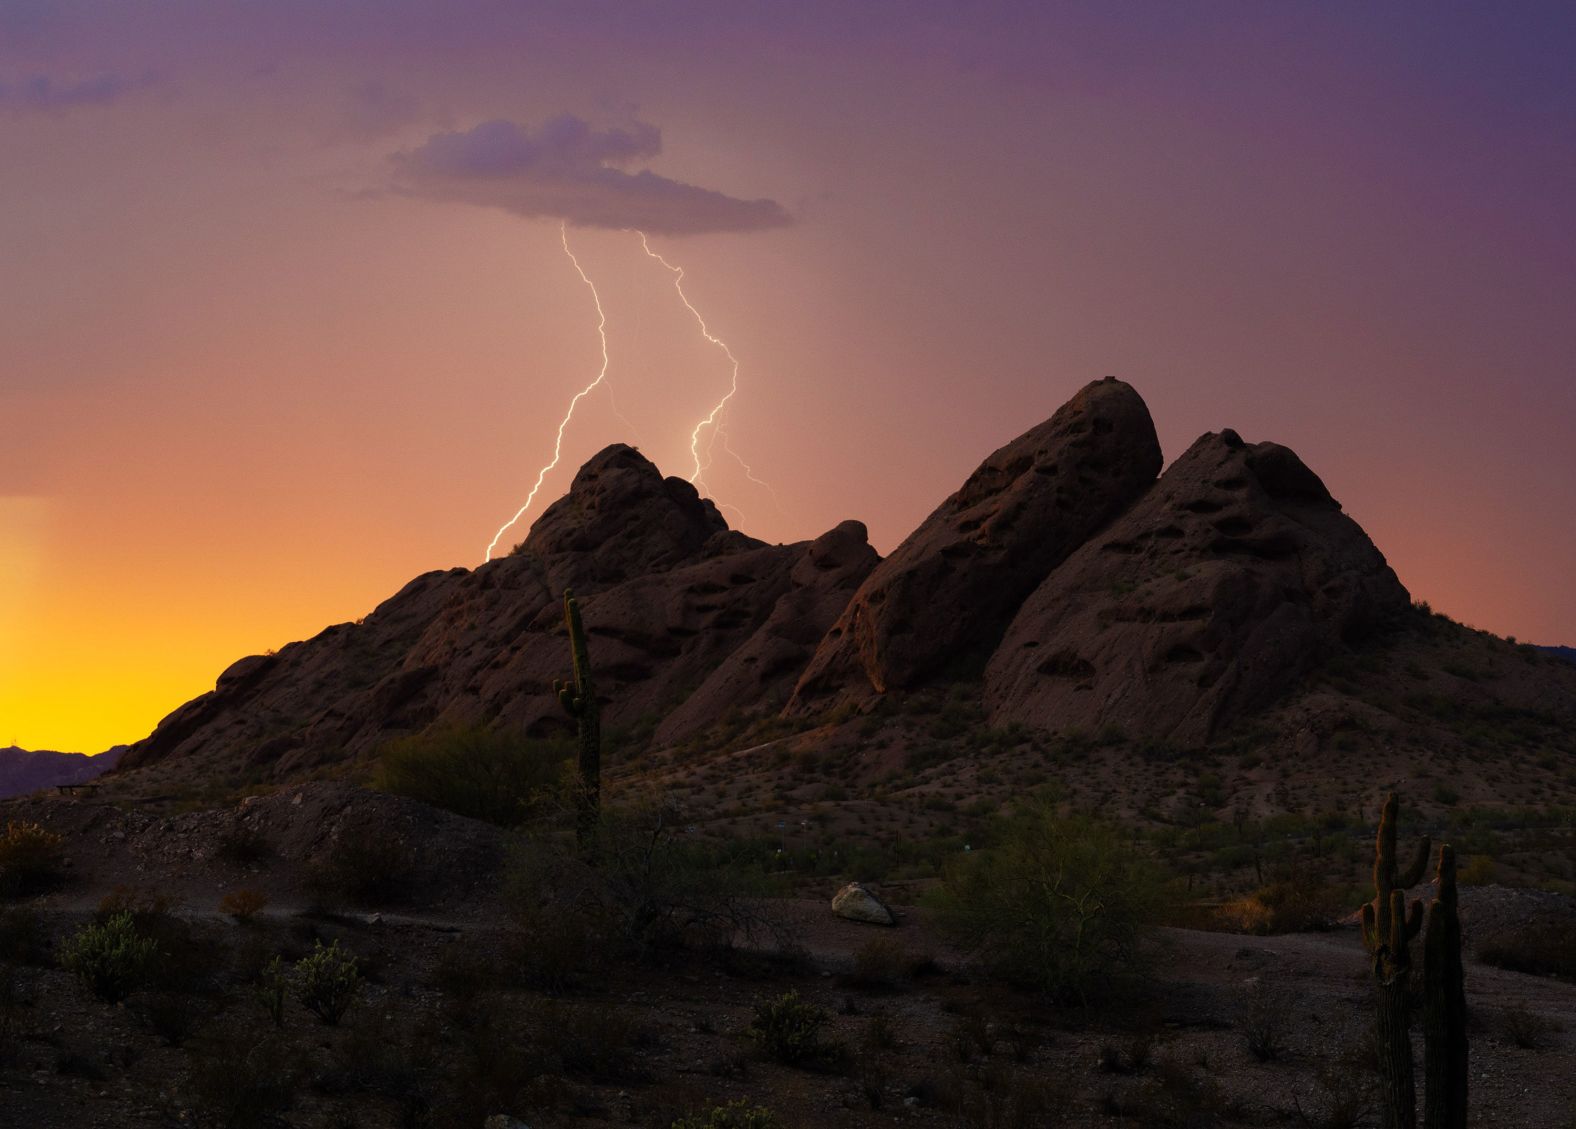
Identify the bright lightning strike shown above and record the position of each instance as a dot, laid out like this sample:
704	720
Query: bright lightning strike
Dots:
711	420
558	444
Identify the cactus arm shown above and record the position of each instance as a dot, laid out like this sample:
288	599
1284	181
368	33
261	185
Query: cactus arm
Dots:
1414	873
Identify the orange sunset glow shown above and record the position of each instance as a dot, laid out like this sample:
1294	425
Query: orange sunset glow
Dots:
269	352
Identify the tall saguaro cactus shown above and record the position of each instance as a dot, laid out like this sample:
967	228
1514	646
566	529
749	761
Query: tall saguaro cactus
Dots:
578	697
1444	1007
1388	929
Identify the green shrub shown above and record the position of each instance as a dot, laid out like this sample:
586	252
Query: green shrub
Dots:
491	775
31	859
112	958
1062	904
326	981
788	1030
734	1115
880	963
270	990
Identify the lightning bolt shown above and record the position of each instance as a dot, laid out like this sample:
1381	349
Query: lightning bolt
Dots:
713	419
558	444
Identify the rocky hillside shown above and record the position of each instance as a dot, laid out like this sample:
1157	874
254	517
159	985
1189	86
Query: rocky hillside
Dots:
1067	586
23	771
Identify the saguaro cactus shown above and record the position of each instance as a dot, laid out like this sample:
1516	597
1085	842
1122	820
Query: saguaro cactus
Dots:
1444	1007
1389	926
578	697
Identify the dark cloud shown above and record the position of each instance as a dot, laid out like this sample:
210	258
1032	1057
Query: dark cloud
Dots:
567	170
41	92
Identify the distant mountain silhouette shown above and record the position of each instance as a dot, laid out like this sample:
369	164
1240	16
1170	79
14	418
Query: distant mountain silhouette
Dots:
23	771
1067	587
1566	653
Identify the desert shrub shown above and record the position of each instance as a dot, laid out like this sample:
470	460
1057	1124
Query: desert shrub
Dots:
172	1016
240	845
394	1063
735	1115
364	870
659	889
491	775
111	958
596	1042
1525	1028
149	909
788	1030
1540	949
638	888
326	981
1290	904
271	989
31	859
1063	904
1264	1019
188	960
880	963
242	1079
243	904
23	939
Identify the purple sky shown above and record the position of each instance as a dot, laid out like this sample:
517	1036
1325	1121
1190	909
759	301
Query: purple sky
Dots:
287	319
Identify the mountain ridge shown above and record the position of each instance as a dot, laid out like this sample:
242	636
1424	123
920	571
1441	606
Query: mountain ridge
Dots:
1067	587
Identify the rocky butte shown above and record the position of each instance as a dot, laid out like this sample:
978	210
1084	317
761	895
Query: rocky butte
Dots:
1068	585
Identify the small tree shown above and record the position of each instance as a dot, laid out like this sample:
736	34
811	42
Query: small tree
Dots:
1061	903
112	958
326	982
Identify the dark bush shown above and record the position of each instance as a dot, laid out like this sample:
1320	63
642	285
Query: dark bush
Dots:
1264	1020
172	1016
788	1030
243	1079
23	939
1542	948
485	774
32	860
1063	904
880	963
365	870
112	958
638	888
240	845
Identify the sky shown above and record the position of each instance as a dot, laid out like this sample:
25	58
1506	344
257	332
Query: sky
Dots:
286	316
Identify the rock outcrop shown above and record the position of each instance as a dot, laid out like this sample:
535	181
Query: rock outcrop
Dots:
1089	594
942	599
856	903
1230	578
677	607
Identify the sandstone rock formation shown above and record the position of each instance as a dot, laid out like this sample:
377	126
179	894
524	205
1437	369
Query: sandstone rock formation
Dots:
943	597
676	605
1088	593
1230	578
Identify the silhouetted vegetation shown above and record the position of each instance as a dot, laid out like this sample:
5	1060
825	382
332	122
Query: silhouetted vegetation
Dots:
31	860
487	774
1060	903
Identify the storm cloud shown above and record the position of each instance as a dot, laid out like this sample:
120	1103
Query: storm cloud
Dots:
566	170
